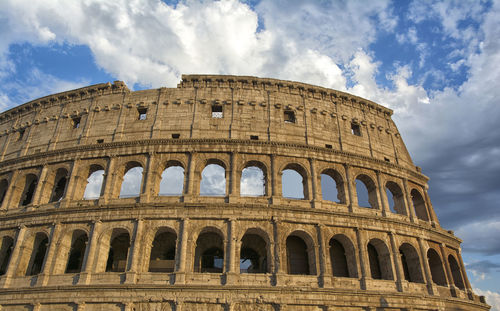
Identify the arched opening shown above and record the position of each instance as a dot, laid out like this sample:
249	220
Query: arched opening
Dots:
76	252
38	254
456	272
29	189
294	182
4	185
419	205
366	191
252	182
436	266
253	254
162	257
118	251
60	182
380	260
395	198
299	256
332	186
209	253
132	181
93	190
172	180
213	180
342	257
5	253
411	263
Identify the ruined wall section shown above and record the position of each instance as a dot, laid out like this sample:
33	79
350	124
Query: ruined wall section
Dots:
252	108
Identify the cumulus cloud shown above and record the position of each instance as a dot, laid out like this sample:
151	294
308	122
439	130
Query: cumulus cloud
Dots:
172	181
213	180
492	298
252	182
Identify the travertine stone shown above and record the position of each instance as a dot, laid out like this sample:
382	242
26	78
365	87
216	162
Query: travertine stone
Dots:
311	253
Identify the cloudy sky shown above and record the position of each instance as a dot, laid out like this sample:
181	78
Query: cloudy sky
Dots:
435	63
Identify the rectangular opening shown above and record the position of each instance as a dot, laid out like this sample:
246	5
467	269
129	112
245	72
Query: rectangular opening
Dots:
386	159
21	134
143	112
355	129
76	122
328	146
100	141
289	116
254	137
217	112
176	136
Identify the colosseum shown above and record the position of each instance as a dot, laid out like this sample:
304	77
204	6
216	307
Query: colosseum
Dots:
249	194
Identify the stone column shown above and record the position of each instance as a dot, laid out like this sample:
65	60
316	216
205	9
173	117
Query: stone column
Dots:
468	287
350	192
448	274
74	181
383	196
190	188
314	189
109	182
275	190
149	179
90	252
43	277
279	267
131	273
363	258
430	209
40	187
397	262
14	258
180	271
324	276
231	251
411	208
233	193
427	270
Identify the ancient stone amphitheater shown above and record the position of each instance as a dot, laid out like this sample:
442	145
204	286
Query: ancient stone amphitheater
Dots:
357	233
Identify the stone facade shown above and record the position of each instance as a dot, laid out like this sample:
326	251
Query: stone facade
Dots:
63	251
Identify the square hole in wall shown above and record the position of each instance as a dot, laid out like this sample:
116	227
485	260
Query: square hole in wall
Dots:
254	137
76	122
100	141
387	159
355	129
328	146
176	136
289	116
21	135
217	112
143	113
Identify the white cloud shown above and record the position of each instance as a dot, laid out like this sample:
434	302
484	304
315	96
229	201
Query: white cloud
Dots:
131	184
213	180
492	298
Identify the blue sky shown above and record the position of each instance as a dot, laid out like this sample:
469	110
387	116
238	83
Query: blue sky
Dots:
434	63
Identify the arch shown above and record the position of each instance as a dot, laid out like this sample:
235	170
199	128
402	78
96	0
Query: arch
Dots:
294	182
60	183
366	191
95	179
300	254
395	198
332	186
209	252
380	260
411	263
118	251
213	179
456	272
132	180
31	181
5	253
419	205
37	259
79	241
342	257
254	253
436	266
162	258
172	179
4	185
253	179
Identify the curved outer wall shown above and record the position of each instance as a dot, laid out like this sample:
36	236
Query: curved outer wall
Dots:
400	260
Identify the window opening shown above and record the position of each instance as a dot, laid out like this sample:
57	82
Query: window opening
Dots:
289	116
162	257
100	141
172	181
254	137
38	254
3	190
76	123
143	112
132	181
355	129
176	136
118	252
217	112
21	134
213	180
253	254
292	184
411	263
75	259
5	253
209	254
94	185
297	255
436	266
29	190
252	182
328	146
455	272
338	258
